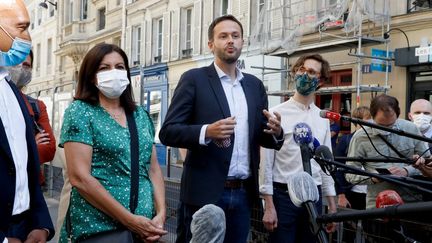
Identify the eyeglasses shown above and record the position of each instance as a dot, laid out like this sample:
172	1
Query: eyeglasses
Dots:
309	71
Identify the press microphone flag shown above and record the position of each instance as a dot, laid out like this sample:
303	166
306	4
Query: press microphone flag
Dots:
303	137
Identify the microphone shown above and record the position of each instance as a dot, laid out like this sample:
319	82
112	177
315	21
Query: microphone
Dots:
324	152
388	198
338	117
303	191
303	137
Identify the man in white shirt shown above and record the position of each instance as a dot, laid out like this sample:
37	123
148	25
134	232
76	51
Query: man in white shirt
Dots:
282	218
23	212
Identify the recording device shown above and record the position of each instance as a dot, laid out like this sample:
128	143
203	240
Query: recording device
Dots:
338	117
383	171
303	137
304	192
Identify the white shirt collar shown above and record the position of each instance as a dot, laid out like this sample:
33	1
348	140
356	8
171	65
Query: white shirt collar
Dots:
4	74
221	74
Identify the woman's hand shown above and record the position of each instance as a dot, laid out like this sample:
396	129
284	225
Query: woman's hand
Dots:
146	229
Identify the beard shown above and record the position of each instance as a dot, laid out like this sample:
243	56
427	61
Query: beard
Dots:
228	58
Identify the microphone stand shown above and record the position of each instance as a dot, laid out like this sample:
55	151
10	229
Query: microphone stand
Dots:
396	131
411	210
366	173
385	160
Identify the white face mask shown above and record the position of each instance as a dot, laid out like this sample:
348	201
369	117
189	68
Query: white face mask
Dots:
422	121
112	83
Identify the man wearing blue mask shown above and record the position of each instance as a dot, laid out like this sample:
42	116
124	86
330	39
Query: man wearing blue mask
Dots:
375	143
23	212
285	221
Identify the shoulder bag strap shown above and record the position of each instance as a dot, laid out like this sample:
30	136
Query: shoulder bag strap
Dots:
134	148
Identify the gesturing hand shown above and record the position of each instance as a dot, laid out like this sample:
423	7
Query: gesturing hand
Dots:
274	123
37	236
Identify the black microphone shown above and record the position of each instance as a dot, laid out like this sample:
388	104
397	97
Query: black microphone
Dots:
303	137
324	152
304	192
337	117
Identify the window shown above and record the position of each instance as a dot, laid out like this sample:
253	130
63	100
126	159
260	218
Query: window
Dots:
68	12
83	10
158	28
101	19
256	7
186	32
51	10
220	7
32	17
39	16
38	58
136	45
49	51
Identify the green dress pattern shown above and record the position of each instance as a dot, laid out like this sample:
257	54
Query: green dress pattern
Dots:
92	125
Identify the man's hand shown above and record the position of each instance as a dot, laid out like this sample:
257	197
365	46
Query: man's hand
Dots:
37	236
343	201
274	123
221	129
426	169
269	219
42	138
399	171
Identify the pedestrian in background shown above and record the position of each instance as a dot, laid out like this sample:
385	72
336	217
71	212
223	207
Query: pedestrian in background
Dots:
21	76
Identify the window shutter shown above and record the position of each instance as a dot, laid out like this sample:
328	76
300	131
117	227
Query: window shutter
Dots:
148	42
166	36
175	42
207	19
196	41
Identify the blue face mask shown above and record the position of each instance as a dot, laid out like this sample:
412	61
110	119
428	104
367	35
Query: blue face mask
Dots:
305	84
17	53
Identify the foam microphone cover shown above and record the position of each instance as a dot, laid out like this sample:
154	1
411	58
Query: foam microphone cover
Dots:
388	198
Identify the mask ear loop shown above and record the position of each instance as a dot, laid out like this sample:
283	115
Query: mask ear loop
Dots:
7	33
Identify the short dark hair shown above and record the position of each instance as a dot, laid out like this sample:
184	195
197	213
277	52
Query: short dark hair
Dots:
325	66
87	90
220	19
385	103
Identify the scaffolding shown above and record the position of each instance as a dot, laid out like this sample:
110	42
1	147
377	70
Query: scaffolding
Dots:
290	28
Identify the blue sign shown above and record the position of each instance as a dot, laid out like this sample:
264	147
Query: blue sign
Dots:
302	133
378	64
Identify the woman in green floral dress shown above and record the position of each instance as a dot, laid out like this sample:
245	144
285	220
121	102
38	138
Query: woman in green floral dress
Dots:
96	141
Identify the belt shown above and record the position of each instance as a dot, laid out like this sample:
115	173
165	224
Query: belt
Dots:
235	184
280	186
18	218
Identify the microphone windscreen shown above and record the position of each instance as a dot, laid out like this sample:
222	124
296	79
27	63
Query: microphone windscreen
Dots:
388	198
324	152
302	188
323	113
302	133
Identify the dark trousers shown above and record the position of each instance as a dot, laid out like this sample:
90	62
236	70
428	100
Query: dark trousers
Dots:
293	222
237	210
